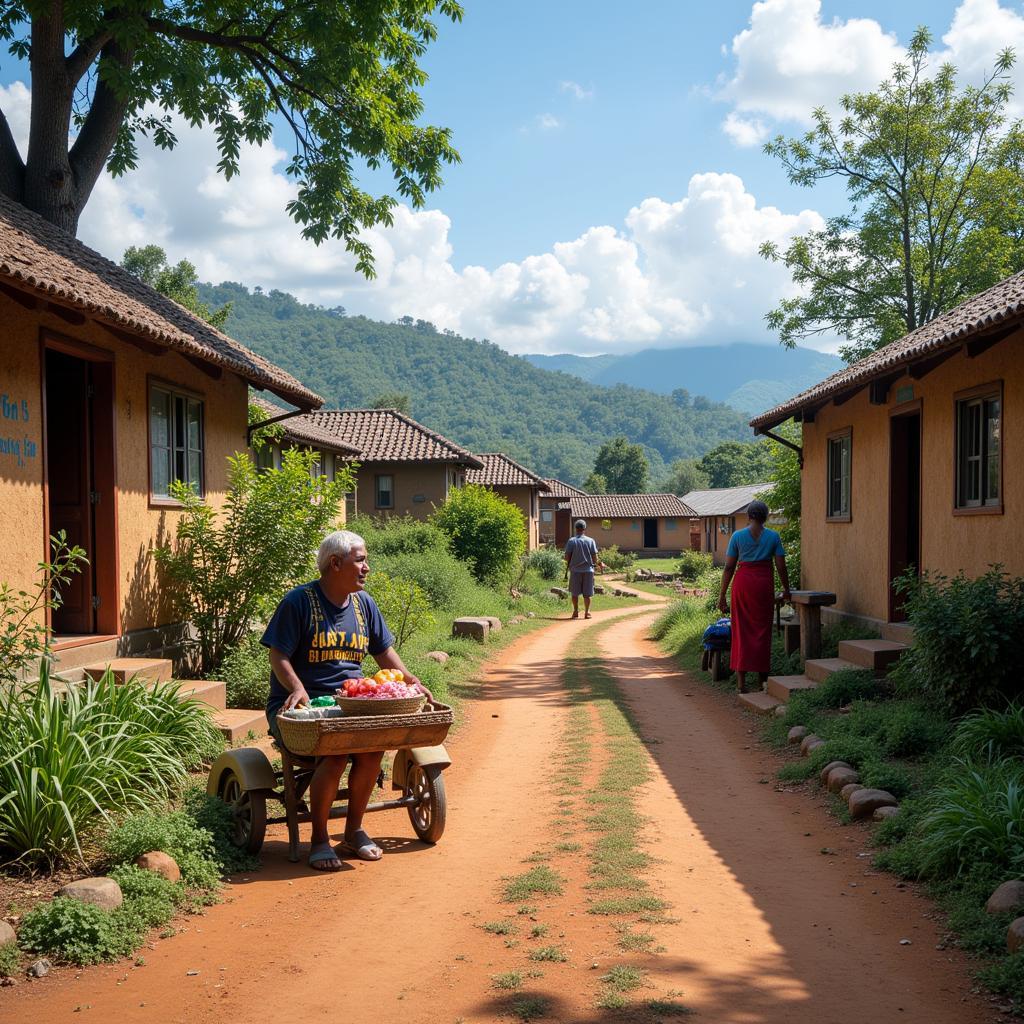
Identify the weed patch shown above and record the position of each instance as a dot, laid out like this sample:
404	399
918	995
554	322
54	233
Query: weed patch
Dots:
540	879
548	954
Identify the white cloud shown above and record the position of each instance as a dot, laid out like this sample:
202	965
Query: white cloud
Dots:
744	131
576	90
548	122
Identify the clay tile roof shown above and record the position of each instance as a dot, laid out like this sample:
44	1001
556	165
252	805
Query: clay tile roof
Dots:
723	501
629	506
386	435
300	431
560	489
40	259
501	471
999	308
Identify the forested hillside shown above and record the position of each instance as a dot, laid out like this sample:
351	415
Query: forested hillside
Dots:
472	391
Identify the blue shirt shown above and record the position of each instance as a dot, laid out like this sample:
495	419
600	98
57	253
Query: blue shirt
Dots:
324	643
582	553
744	548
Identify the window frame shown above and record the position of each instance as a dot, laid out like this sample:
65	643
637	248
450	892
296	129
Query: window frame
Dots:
981	392
838	517
376	490
174	391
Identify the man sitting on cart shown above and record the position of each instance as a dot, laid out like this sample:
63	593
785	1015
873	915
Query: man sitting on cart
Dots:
318	638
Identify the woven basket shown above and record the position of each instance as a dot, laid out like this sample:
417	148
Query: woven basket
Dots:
368	706
360	734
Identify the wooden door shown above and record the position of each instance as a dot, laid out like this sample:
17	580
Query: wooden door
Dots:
904	502
650	533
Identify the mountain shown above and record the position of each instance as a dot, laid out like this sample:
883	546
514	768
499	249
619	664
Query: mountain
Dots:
748	377
474	392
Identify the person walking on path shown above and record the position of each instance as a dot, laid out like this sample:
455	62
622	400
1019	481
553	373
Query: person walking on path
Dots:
748	565
580	562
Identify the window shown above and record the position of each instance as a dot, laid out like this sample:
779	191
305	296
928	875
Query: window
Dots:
385	491
350	505
547	515
979	427
670	524
266	457
175	441
840	459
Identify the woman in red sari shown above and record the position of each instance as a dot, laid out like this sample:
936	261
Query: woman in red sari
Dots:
748	566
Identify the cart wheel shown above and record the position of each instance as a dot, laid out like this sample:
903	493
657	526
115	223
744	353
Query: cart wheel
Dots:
428	814
718	668
248	811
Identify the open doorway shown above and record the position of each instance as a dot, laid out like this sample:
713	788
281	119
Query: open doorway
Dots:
80	485
650	533
904	501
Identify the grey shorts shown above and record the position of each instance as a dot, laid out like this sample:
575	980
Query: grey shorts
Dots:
581	584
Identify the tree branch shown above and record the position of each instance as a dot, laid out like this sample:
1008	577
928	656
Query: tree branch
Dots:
80	59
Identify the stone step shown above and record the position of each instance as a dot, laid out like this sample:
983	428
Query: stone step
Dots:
69	662
151	670
209	691
901	632
876	655
762	703
819	669
781	687
237	723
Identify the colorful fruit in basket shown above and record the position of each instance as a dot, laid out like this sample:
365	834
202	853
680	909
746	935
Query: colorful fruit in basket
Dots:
389	675
381	689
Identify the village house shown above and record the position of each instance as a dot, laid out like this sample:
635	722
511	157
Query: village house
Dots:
717	510
647	524
110	391
911	457
516	484
555	526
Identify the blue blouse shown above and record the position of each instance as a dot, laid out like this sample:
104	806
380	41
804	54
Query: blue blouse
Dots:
744	548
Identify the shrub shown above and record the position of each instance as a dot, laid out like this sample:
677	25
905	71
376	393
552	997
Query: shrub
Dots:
214	816
991	734
443	578
967	651
246	671
398	535
150	900
693	564
548	562
893	778
10	960
77	933
838	690
403	603
486	531
228	565
616	560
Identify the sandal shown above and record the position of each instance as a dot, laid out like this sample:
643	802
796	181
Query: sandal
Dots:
321	857
587	616
361	846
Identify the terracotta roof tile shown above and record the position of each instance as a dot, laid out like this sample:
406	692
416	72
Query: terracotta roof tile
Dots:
501	471
723	501
1000	306
556	488
629	506
300	431
39	258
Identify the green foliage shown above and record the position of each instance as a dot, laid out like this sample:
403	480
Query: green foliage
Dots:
393	400
214	816
70	760
246	671
10	960
733	463
547	562
933	178
149	264
595	484
967	651
990	734
443	578
150	899
693	564
271	434
228	566
784	495
403	603
684	475
77	933
398	535
616	560
23	634
486	531
622	466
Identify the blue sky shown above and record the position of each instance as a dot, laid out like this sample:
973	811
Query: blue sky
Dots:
613	192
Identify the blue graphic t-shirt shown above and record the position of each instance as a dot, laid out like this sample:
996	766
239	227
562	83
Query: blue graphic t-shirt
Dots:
744	548
325	644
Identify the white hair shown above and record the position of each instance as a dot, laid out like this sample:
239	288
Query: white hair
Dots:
340	543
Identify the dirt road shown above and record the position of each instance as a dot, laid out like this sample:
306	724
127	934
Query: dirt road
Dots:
763	928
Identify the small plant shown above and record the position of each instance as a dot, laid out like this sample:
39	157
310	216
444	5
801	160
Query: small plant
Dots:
10	960
627	905
530	1008
623	979
610	999
538	931
510	981
616	560
667	1007
693	564
246	673
991	734
499	927
403	603
540	879
547	562
548	954
635	942
485	530
78	933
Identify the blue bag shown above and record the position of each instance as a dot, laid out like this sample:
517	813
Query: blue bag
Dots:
718	636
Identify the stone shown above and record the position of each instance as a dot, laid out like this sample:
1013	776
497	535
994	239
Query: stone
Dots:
101	892
805	743
476	629
840	777
1015	936
780	711
881	813
40	969
441	657
1007	898
797	733
598	589
7	935
531	615
827	770
495	622
851	788
160	863
865	802
559	592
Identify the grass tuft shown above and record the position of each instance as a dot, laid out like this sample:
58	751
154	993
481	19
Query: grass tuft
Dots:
540	879
550	954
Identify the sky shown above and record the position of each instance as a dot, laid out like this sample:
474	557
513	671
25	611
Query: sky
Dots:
612	194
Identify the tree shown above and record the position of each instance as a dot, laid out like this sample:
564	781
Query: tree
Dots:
486	531
393	400
685	475
734	463
595	484
149	264
936	195
623	466
342	75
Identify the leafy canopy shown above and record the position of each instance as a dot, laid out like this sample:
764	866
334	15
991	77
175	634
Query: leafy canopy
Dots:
936	204
733	463
149	264
486	531
622	466
685	475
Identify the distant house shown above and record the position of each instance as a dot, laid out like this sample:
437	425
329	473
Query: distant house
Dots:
717	510
911	457
516	484
651	524
554	525
110	392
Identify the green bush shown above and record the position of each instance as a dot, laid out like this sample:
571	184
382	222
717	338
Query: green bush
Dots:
70	760
398	535
967	651
694	564
74	932
990	734
214	816
443	578
10	960
246	671
548	562
616	560
486	531
403	603
150	900
893	778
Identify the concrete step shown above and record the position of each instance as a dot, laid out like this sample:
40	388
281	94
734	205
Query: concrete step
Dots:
877	655
152	670
210	691
819	669
901	632
237	723
781	687
69	662
762	703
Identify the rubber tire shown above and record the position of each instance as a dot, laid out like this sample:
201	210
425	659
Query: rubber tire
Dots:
718	666
249	808
428	828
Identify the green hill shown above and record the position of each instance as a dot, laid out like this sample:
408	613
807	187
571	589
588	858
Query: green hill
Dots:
472	391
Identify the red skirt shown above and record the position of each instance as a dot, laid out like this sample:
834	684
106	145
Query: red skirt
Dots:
753	606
